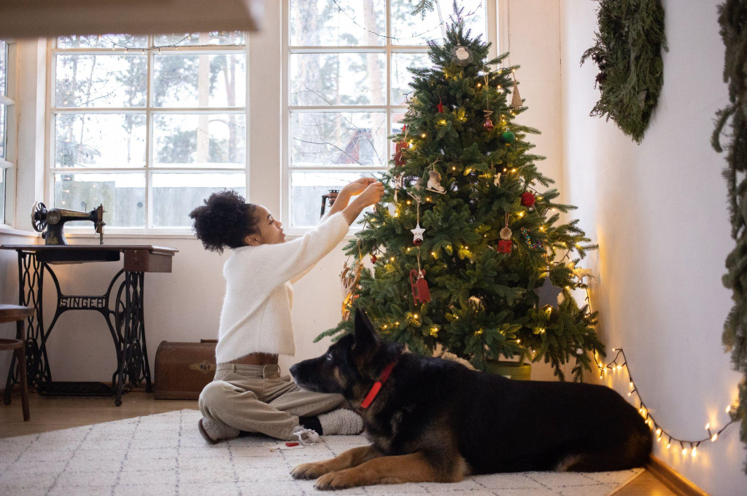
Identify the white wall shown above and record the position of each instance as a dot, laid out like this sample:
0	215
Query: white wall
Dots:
658	211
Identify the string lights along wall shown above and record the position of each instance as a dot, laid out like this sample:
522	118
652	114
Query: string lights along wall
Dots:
686	445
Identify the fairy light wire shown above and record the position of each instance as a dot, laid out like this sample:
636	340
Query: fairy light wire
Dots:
659	431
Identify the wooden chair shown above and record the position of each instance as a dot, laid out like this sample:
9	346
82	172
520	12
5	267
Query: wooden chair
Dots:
17	314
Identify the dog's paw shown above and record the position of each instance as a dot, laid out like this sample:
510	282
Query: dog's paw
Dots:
336	480
309	471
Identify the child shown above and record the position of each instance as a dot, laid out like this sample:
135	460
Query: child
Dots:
248	394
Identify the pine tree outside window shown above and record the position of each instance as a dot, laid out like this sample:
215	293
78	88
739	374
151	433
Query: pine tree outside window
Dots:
346	87
148	126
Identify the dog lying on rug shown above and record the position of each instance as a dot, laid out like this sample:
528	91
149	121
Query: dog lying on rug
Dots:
433	420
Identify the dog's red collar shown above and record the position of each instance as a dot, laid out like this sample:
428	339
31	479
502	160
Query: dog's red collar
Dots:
377	385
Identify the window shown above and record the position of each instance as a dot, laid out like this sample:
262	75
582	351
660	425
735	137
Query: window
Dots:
7	131
346	88
148	126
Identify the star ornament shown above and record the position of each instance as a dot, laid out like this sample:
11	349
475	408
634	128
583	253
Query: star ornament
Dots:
417	234
548	294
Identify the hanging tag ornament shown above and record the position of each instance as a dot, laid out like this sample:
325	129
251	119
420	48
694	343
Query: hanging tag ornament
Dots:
440	107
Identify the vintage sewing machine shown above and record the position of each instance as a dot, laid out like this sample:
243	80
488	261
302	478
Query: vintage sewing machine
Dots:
54	219
328	200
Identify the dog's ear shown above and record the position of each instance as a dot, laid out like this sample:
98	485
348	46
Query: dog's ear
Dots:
365	335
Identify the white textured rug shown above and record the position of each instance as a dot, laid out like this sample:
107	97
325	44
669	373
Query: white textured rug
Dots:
165	455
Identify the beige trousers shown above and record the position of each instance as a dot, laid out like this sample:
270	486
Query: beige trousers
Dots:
255	398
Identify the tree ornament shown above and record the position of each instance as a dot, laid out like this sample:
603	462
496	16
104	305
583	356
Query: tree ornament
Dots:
515	98
579	272
417	233
488	124
505	245
419	286
476	303
461	55
548	294
349	279
497	179
392	209
508	137
528	199
434	182
528	239
399	147
440	107
374	258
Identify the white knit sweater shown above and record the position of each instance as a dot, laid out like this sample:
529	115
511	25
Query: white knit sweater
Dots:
256	315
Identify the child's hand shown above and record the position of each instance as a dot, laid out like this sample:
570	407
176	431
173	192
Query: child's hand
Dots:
371	195
359	186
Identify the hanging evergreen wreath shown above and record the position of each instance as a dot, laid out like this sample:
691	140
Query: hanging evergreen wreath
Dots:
733	21
627	51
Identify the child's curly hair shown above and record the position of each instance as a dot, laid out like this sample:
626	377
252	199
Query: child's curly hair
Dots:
224	221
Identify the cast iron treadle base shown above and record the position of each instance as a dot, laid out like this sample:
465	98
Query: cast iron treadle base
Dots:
62	388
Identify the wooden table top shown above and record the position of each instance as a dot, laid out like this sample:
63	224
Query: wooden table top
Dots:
161	250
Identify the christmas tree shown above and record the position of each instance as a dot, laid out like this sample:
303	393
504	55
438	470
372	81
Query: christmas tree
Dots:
469	253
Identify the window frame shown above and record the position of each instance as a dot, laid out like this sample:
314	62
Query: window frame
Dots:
148	111
10	163
493	17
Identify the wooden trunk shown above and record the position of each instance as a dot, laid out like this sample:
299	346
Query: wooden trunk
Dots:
183	369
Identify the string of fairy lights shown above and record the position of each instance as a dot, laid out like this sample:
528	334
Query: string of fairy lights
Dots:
686	445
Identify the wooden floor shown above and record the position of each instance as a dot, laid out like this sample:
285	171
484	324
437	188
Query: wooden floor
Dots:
54	413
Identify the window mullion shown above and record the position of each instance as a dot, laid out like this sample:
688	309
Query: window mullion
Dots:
148	139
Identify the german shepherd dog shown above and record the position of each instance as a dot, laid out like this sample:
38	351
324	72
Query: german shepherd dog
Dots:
435	420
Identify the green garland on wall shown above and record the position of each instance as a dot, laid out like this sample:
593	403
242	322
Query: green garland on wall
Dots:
627	51
733	21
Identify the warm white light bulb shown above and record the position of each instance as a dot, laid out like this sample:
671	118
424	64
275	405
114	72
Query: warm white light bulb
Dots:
714	437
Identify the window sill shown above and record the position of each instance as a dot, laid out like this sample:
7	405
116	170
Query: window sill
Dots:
132	235
17	232
163	235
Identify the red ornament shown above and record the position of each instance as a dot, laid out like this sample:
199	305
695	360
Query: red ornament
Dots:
419	286
373	259
398	159
440	107
488	124
504	246
404	128
527	199
417	241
